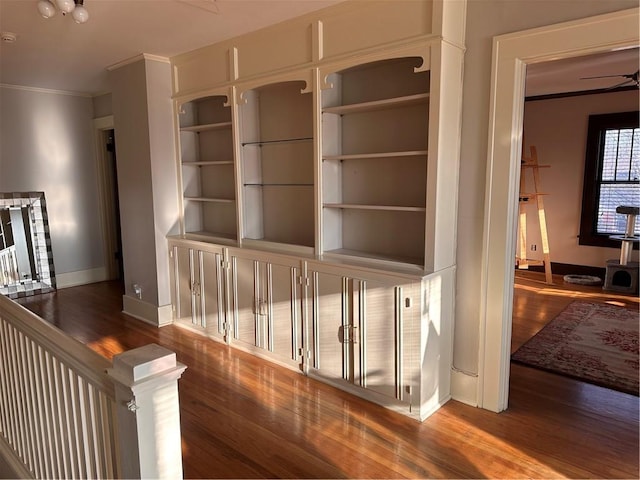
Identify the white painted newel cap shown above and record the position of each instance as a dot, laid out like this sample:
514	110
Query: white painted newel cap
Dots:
144	364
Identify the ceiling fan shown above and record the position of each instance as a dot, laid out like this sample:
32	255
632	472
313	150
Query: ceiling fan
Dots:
630	79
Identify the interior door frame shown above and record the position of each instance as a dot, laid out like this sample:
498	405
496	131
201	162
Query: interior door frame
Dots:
102	125
511	54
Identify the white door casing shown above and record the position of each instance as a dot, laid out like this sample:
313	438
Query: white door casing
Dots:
511	54
105	194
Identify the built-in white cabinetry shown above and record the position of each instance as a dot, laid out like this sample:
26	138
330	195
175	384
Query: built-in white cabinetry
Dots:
198	292
208	167
384	336
375	123
361	328
319	164
265	307
276	131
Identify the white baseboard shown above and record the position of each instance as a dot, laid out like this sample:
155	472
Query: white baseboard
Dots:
464	387
81	277
147	312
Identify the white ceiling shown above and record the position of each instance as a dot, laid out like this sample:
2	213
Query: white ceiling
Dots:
59	54
561	76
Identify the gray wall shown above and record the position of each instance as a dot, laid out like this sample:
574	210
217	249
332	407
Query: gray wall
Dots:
46	144
485	19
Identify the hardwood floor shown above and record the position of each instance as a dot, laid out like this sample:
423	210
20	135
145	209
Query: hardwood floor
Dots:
246	418
536	303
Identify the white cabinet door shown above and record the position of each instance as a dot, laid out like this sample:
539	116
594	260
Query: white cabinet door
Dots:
285	313
266	305
243	301
329	319
358	326
183	281
378	334
199	289
211	295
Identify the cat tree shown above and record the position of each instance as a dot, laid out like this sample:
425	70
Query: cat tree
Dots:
622	275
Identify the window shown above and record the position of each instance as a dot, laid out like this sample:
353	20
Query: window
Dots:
611	177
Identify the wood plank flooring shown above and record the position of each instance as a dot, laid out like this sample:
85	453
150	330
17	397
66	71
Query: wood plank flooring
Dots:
243	417
536	303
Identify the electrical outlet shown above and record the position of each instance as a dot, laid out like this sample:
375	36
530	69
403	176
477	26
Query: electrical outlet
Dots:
137	290
534	247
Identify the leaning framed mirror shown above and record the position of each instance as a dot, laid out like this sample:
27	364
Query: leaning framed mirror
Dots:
26	259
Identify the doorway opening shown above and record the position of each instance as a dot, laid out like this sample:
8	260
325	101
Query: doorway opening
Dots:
514	52
560	93
109	199
113	207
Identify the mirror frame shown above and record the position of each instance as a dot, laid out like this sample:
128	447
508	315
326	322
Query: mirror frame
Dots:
43	255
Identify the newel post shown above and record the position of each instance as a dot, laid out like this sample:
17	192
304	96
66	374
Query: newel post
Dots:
148	412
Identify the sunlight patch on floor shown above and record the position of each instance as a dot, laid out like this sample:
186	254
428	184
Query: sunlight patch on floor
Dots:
575	294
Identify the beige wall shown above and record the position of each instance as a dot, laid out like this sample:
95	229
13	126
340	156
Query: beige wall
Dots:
558	130
102	105
134	177
486	19
143	119
163	169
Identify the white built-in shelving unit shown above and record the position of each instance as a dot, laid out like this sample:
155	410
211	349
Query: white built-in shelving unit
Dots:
207	167
276	131
318	163
374	161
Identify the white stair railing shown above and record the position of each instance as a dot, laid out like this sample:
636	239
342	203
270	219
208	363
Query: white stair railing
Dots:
8	266
59	417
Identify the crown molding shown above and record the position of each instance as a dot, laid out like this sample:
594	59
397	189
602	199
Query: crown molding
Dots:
137	58
45	90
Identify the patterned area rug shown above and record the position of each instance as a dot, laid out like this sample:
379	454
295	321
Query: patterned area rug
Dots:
592	342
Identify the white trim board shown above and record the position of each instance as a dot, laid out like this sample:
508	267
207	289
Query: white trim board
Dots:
104	188
147	312
45	90
81	277
137	58
511	54
464	387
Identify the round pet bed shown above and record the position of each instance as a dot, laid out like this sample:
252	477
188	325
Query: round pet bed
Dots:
582	279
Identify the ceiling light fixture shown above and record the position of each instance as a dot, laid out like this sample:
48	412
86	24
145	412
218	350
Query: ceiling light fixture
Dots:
47	9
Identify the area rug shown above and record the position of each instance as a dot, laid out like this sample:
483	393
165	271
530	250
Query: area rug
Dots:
592	342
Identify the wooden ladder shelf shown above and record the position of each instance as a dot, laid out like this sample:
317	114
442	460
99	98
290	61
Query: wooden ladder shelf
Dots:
531	164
